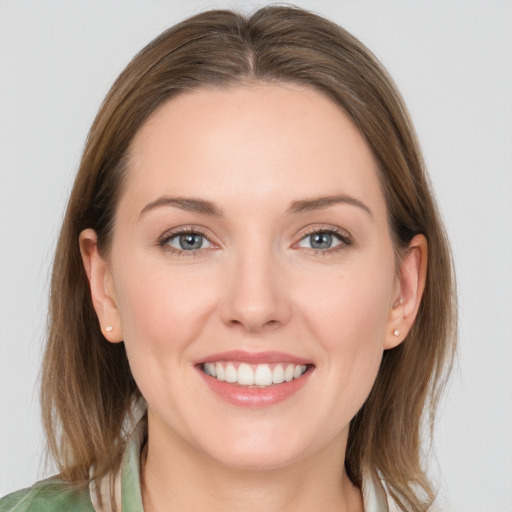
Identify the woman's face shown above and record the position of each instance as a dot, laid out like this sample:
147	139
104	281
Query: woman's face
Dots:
251	235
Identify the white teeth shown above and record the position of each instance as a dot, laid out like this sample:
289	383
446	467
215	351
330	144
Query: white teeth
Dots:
230	374
299	370
261	375
245	375
278	374
209	368
219	369
288	373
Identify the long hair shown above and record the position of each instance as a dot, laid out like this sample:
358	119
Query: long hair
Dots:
87	388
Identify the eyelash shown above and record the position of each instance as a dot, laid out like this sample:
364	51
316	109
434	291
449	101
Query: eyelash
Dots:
343	237
185	230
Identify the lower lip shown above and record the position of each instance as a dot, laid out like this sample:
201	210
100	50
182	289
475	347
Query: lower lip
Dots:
245	396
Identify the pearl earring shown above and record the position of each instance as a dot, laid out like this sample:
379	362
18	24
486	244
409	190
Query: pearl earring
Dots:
108	328
396	332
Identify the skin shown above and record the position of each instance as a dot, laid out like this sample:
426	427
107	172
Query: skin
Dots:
257	285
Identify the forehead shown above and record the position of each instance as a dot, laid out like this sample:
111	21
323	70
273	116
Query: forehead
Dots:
279	141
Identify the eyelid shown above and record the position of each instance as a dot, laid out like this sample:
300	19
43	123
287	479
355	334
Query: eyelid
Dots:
181	230
344	236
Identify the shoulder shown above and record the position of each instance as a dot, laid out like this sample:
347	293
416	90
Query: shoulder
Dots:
51	495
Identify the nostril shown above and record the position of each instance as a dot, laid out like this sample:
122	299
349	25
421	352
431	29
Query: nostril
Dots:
255	326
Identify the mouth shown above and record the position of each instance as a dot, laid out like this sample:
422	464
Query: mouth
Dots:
251	379
254	375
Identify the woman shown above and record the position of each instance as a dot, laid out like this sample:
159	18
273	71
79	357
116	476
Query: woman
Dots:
252	283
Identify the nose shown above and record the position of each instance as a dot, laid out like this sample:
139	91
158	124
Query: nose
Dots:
256	297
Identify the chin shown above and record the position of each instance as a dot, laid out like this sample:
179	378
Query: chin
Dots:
259	450
256	460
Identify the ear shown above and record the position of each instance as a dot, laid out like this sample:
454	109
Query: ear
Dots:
101	285
409	290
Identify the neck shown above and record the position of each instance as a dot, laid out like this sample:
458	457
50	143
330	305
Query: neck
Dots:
176	476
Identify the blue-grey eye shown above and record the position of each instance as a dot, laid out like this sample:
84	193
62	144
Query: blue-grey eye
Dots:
320	240
189	242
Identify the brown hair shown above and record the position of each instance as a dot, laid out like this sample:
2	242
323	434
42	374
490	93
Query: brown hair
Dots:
87	387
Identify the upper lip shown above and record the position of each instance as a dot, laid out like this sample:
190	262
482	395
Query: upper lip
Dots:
254	357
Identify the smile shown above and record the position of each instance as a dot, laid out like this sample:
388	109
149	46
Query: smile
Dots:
255	379
260	375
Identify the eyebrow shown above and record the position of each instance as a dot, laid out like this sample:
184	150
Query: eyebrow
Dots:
184	203
318	203
208	208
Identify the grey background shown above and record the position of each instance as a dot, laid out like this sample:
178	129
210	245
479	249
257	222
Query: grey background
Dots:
452	60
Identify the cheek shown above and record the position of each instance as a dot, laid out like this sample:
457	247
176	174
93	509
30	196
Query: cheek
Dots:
162	310
348	313
350	309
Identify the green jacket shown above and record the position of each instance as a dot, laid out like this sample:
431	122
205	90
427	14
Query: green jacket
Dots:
50	495
53	495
